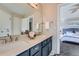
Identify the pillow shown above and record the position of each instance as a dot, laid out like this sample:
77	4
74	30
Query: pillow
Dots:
77	33
69	33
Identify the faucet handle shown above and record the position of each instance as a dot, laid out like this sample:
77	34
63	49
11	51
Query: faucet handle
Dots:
16	39
10	38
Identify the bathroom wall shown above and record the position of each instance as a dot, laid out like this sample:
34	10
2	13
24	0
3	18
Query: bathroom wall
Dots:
37	19
50	14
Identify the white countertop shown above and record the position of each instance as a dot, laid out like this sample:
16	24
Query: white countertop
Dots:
14	48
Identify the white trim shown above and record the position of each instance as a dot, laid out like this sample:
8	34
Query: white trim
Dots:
58	29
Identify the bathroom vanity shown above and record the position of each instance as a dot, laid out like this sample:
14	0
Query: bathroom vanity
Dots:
15	28
41	49
39	46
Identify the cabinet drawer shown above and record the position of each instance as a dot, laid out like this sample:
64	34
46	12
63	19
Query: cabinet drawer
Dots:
35	49
25	53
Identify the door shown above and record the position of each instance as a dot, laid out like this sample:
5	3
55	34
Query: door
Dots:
50	46
45	51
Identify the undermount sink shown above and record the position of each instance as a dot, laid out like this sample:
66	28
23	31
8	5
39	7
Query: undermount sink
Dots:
11	45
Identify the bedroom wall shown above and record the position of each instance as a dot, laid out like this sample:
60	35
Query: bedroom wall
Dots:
67	18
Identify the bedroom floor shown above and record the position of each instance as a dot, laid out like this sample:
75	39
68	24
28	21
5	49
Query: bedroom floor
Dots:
68	49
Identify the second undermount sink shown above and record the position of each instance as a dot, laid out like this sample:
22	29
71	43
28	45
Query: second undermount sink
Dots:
12	45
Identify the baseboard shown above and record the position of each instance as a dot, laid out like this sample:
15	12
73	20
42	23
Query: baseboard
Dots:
69	42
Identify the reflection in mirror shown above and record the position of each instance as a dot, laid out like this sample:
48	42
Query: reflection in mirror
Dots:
33	22
27	25
30	24
20	19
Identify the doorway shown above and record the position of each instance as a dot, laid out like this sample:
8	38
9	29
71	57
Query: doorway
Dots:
69	42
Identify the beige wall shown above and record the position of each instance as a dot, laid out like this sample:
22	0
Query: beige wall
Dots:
37	19
50	14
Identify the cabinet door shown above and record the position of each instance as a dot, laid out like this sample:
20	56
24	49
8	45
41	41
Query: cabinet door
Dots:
50	46
35	49
45	51
38	53
25	53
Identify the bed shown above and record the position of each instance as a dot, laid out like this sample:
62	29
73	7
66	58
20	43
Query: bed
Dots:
71	37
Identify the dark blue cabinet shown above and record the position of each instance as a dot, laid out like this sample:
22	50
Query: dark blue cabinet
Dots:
42	49
50	44
46	47
45	50
38	53
35	50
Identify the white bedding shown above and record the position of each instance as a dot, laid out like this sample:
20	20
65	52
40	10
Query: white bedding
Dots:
72	34
71	37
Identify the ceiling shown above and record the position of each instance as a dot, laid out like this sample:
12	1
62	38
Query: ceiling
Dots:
18	9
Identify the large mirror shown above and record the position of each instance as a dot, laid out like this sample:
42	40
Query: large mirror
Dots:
17	18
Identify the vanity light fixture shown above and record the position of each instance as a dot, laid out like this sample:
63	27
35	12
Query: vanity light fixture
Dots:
34	5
